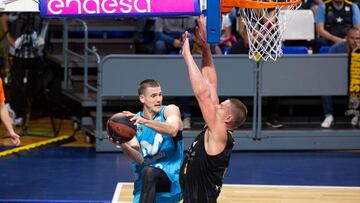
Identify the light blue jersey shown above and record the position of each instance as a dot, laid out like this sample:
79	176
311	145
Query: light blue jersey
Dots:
161	151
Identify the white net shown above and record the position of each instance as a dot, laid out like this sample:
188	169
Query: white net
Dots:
263	31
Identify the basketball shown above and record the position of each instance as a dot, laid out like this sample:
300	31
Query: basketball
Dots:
120	129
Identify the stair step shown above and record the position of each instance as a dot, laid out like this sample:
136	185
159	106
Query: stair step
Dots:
74	62
80	78
94	40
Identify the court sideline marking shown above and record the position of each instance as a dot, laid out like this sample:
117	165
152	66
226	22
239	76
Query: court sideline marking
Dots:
265	193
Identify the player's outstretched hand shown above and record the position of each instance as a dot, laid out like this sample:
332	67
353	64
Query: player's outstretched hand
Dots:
200	32
185	44
134	118
128	114
138	120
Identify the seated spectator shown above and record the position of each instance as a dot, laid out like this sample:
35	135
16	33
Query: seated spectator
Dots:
333	18
352	41
242	44
143	35
314	5
357	2
227	38
168	33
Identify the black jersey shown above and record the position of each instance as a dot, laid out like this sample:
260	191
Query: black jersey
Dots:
337	22
201	175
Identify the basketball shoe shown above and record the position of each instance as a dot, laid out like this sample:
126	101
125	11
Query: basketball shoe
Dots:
274	123
355	121
328	122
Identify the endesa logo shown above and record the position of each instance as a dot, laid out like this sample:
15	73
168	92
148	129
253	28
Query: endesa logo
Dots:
118	7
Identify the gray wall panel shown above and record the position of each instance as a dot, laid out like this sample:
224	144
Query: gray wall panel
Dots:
122	73
305	75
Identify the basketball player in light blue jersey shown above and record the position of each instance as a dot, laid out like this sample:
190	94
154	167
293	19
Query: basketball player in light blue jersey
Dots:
157	149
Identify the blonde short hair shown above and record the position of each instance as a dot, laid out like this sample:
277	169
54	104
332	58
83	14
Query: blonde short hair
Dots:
146	84
239	112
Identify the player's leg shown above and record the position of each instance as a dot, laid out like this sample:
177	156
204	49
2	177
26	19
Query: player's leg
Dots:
153	180
136	198
17	89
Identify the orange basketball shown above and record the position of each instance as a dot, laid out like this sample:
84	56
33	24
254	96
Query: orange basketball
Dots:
120	129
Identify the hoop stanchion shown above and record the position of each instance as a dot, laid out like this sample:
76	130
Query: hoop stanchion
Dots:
213	21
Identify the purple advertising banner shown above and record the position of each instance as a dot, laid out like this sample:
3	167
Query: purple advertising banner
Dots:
108	8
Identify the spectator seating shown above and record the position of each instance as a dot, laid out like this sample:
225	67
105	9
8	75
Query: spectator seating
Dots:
324	49
294	50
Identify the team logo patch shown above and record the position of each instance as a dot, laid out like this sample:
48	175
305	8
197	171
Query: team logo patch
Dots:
339	19
139	128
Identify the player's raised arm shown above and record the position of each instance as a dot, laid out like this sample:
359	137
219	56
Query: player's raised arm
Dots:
208	67
198	83
207	63
200	86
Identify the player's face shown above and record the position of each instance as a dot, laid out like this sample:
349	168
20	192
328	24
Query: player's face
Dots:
353	38
152	99
225	109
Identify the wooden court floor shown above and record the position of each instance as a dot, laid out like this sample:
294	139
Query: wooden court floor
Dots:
267	194
43	127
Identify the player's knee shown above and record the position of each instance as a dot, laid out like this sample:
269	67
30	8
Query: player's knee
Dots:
149	174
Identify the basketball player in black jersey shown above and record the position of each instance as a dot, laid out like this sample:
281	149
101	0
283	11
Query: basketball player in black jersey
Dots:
208	157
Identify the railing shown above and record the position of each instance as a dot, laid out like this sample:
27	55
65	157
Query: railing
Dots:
84	57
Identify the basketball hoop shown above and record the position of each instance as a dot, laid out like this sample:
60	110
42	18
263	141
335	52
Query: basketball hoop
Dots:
262	24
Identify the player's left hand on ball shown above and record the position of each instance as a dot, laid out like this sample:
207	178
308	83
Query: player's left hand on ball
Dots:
138	120
128	114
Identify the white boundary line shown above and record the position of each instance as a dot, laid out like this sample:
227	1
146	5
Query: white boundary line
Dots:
292	186
120	184
117	192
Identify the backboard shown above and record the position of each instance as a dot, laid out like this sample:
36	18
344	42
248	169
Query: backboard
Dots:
19	5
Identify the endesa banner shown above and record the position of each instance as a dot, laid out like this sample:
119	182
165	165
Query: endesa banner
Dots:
108	8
